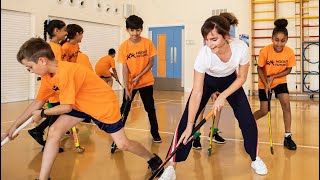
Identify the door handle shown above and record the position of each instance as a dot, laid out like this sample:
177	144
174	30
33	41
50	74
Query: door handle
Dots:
175	55
171	55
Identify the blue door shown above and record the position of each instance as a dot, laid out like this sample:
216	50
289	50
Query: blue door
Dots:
168	61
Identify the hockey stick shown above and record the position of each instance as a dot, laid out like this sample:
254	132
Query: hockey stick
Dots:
120	84
211	135
113	145
76	140
269	122
17	131
181	145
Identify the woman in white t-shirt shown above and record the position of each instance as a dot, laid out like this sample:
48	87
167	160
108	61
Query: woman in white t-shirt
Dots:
215	70
215	134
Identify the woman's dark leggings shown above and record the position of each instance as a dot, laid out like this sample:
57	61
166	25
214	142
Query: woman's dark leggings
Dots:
241	108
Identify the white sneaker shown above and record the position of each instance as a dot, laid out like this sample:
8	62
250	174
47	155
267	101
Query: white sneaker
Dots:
168	174
259	166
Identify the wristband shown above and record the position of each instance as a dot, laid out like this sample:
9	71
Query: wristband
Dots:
42	114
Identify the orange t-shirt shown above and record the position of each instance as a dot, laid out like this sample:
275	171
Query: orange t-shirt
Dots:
79	86
274	63
84	60
58	52
103	66
136	56
70	52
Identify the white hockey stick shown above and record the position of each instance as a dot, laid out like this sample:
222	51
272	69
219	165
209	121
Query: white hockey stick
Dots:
17	130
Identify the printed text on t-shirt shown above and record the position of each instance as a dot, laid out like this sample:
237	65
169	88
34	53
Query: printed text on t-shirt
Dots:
137	54
278	62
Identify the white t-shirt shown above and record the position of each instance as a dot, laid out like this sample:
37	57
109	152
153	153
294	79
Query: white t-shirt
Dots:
210	63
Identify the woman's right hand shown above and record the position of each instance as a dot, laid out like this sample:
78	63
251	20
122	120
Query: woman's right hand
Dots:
185	135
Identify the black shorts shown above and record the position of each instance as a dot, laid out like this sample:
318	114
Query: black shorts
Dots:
279	89
109	128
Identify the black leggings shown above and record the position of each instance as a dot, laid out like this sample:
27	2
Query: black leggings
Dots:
241	108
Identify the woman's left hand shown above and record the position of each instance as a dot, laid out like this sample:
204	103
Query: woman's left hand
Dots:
219	103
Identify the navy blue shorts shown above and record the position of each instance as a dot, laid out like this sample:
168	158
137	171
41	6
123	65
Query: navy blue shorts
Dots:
279	89
109	128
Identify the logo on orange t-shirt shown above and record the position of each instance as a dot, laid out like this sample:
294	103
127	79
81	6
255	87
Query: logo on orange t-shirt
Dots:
270	62
130	55
277	62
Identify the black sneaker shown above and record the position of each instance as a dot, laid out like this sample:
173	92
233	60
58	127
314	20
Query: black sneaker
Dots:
218	139
289	143
154	163
157	138
38	136
60	149
48	179
196	143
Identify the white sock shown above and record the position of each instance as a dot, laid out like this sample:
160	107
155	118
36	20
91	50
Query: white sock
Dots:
256	158
287	134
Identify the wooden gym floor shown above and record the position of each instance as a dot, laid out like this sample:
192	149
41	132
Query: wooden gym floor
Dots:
21	158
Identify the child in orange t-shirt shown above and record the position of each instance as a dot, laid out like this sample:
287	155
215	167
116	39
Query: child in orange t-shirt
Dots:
83	59
70	46
275	63
56	29
71	49
103	67
137	57
82	94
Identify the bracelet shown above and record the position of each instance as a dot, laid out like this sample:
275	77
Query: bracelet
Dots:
42	114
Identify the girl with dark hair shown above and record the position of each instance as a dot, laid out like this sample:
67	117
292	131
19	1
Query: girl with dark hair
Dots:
215	70
71	45
56	29
275	63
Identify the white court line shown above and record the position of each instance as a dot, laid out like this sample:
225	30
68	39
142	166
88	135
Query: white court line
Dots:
154	104
298	107
230	139
251	104
184	102
210	104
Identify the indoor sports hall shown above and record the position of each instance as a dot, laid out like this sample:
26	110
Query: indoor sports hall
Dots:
230	49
